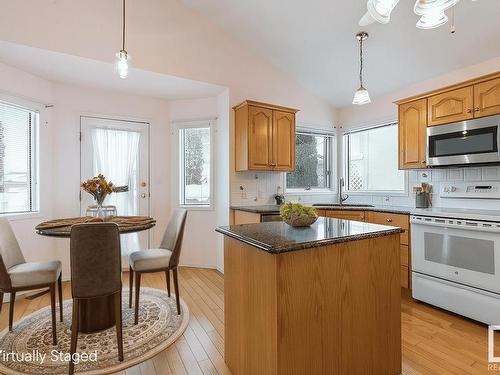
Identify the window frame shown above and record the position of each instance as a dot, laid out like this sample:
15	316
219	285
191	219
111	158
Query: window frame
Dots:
33	154
179	158
345	165
331	161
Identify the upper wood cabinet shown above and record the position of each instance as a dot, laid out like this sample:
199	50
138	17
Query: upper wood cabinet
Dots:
264	137
412	134
487	98
451	106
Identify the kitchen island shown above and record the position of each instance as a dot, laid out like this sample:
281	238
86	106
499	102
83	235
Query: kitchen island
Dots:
318	300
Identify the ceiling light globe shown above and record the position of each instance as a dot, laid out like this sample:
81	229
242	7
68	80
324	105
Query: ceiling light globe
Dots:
432	20
424	7
361	97
380	10
122	63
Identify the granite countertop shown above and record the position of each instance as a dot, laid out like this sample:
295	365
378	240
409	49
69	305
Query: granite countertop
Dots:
263	209
279	237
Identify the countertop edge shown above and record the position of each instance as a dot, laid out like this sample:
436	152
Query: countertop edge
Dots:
306	245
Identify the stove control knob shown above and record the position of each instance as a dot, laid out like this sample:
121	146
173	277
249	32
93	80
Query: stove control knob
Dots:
446	189
453	189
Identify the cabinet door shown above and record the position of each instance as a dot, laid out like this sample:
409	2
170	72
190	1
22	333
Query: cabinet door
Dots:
451	106
260	138
283	141
487	98
412	134
346	215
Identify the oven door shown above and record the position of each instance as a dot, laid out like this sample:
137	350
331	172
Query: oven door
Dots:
462	251
465	142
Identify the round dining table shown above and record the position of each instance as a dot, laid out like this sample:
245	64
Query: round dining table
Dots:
96	314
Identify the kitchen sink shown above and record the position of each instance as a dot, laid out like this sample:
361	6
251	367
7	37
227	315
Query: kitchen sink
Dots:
341	205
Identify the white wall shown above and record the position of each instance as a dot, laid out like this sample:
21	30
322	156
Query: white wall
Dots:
200	238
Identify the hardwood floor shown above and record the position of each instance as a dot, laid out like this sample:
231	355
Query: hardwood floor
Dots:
434	341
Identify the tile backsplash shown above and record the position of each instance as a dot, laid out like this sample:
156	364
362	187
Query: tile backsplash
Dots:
250	188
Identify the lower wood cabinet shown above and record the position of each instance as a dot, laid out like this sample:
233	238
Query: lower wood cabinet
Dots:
383	218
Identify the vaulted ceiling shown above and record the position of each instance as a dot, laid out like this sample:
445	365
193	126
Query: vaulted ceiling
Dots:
313	41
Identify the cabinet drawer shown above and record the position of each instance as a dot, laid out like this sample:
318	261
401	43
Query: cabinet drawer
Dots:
396	220
405	255
346	215
405	277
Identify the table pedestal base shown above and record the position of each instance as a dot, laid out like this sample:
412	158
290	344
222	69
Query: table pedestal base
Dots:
96	314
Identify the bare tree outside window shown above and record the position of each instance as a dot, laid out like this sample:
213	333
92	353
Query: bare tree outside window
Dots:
312	162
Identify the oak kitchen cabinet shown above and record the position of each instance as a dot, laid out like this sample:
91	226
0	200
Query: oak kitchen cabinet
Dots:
471	99
412	134
383	218
264	137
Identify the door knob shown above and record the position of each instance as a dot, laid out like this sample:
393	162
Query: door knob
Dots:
143	195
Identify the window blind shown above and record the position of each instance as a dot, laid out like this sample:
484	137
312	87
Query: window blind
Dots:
16	158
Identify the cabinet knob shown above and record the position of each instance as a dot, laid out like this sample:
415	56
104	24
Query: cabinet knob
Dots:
469	110
477	109
389	220
273	164
423	162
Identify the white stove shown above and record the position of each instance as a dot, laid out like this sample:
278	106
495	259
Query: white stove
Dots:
456	254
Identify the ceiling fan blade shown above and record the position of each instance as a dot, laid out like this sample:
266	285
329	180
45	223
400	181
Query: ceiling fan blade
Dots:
367	19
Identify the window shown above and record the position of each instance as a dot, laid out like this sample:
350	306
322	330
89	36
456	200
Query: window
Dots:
313	162
371	160
195	165
18	129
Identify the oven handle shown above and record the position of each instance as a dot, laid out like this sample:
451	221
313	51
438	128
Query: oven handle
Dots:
478	226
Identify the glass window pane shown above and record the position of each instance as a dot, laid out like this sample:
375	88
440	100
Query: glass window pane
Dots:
372	160
312	153
15	159
195	146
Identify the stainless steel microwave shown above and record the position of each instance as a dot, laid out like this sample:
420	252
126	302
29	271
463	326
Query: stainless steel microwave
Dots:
474	141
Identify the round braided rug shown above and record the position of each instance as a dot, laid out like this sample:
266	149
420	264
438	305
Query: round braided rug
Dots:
28	350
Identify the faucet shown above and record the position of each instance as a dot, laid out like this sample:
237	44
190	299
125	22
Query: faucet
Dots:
342	197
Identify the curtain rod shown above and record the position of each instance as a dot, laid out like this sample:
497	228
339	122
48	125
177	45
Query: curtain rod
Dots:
357	130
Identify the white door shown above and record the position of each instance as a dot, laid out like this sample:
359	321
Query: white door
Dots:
119	150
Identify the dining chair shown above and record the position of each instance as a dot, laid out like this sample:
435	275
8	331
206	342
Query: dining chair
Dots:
17	275
162	259
95	272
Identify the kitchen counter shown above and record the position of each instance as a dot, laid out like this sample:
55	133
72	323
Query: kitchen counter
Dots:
279	237
263	209
390	209
320	295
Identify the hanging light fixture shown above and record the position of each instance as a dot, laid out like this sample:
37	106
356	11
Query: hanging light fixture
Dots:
378	10
431	12
122	57
361	96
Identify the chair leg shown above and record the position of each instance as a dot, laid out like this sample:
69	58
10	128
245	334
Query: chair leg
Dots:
74	334
1	301
11	309
59	289
130	285
137	292
167	276
119	330
53	311
176	287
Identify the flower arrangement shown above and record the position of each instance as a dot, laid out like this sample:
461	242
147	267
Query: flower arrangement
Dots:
99	188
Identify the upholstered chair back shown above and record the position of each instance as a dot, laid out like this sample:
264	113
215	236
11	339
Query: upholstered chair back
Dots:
172	240
95	260
10	252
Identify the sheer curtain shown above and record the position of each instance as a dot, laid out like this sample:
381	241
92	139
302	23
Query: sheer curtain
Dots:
116	156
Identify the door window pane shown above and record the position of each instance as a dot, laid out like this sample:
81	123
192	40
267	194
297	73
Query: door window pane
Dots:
195	166
372	160
17	159
312	162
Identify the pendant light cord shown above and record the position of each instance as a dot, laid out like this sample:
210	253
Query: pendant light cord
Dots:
123	31
360	61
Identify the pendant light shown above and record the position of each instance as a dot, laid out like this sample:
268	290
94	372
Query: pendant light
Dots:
378	10
431	12
361	96
122	57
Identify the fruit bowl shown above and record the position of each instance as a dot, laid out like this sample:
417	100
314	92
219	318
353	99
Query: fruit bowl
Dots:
297	215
